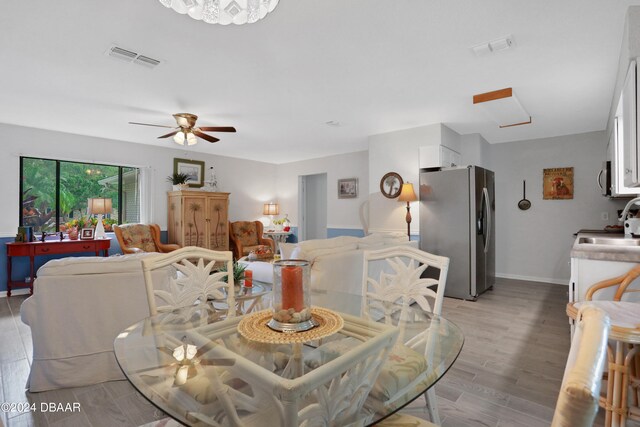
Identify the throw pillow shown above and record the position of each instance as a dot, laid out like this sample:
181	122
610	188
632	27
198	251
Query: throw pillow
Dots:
286	249
298	253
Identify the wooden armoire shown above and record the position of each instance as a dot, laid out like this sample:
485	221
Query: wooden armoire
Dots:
199	218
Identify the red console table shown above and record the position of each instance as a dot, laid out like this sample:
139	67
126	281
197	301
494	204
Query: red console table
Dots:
49	247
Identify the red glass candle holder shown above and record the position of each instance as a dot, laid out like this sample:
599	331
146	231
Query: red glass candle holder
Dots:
291	296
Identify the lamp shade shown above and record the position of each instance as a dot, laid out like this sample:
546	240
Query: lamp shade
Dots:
407	194
99	205
270	209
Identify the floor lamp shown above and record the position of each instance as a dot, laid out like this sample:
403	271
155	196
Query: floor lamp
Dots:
408	195
99	206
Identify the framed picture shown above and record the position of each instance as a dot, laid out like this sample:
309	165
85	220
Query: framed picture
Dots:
348	188
86	234
557	184
193	168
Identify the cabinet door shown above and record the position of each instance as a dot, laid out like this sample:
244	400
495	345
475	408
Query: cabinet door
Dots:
620	143
629	128
430	156
449	157
217	223
174	222
193	221
587	272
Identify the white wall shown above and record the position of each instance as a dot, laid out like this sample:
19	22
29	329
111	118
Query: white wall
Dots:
399	152
396	152
250	183
341	213
535	244
475	150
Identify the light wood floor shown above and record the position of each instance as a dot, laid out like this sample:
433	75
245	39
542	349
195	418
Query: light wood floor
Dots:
508	374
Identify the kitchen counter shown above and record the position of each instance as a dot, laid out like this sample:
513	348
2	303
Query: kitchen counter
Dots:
604	252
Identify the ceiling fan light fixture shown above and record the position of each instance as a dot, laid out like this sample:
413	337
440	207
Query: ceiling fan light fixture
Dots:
191	139
223	12
179	138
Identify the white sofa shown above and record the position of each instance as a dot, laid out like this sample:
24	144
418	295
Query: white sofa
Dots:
79	306
336	263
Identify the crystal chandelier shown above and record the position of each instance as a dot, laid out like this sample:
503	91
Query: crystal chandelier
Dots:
223	12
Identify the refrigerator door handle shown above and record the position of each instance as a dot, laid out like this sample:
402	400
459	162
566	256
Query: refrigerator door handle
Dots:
487	206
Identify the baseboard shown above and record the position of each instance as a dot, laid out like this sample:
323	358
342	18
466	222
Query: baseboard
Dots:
561	282
25	291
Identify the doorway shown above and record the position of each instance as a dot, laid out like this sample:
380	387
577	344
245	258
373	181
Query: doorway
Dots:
312	206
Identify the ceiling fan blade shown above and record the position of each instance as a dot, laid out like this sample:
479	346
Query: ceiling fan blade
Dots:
205	136
169	134
148	124
217	129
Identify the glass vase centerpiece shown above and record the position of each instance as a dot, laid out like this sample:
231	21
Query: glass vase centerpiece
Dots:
291	297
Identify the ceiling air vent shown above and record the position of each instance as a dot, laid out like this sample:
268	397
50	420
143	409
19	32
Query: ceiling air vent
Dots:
120	53
145	61
493	46
132	57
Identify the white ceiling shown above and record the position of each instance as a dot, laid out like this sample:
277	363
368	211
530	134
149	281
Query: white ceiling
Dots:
375	66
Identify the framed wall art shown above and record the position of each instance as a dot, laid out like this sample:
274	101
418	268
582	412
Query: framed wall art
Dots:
348	188
557	184
391	185
193	168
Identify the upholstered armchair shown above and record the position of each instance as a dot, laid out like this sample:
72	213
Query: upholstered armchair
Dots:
246	236
135	238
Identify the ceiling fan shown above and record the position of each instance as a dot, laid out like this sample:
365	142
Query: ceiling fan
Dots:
186	131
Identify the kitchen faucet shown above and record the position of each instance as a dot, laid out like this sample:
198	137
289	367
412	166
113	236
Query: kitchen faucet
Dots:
626	209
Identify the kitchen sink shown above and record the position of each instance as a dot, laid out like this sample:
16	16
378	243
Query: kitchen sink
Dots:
609	241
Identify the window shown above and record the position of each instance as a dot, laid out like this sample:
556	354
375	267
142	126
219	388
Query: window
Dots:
50	186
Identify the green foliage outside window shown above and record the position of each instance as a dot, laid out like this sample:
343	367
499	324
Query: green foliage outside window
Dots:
77	183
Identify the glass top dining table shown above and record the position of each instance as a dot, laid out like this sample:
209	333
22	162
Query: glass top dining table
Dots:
178	359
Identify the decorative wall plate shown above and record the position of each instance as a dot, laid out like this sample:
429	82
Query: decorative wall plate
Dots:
391	185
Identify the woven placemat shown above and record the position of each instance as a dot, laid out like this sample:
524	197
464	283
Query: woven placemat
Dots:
254	327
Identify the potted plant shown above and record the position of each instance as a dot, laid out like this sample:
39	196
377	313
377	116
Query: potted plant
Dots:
179	180
279	224
238	273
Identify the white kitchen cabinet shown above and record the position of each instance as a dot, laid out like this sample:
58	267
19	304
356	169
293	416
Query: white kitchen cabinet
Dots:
624	140
629	128
587	272
626	152
432	156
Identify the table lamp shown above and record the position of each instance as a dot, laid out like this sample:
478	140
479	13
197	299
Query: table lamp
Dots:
99	206
407	194
271	209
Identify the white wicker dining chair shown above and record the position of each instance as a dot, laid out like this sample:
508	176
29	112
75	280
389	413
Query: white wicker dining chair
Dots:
392	282
195	279
577	403
247	394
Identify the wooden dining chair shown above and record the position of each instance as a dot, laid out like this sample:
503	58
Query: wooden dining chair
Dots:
577	403
624	363
393	281
195	278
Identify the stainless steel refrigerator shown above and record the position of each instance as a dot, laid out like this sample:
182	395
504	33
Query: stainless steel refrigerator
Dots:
457	207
